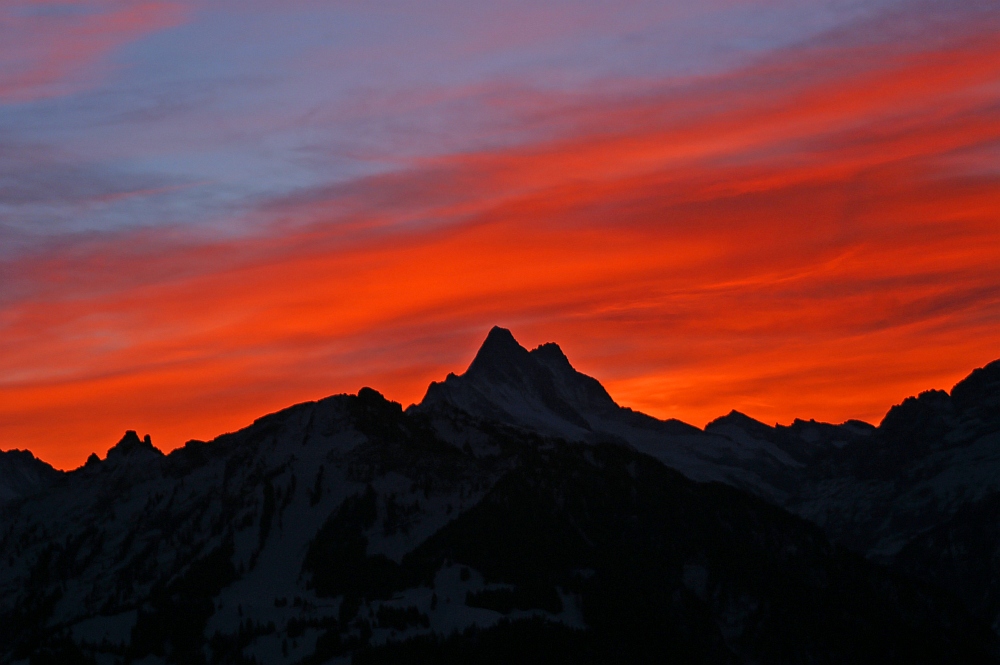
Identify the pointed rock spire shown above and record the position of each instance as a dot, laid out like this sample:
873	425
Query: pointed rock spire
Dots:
539	388
551	353
130	444
499	353
979	393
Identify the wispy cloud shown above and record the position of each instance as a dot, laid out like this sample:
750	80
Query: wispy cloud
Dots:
52	47
813	234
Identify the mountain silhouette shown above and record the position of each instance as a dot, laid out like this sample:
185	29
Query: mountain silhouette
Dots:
21	475
536	389
540	391
516	514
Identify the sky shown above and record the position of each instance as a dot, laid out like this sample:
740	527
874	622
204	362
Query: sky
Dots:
211	209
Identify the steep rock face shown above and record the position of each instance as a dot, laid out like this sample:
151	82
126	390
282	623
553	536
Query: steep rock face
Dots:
130	444
930	456
22	475
919	424
978	395
585	393
518	511
506	382
144	555
540	391
918	492
873	489
132	451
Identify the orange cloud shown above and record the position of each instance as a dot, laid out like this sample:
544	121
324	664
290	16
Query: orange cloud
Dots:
817	236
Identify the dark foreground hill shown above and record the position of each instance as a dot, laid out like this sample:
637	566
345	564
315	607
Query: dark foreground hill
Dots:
516	515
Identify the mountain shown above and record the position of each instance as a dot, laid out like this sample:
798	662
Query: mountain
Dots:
930	456
516	514
22	475
540	391
933	458
920	492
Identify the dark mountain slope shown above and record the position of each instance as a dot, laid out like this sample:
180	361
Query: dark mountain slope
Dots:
537	389
668	569
872	489
347	527
540	391
962	555
22	475
517	515
930	457
919	491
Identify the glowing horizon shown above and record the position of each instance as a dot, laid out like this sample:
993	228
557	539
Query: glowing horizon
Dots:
795	213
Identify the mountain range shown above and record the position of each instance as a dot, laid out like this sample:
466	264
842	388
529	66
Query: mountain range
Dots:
517	513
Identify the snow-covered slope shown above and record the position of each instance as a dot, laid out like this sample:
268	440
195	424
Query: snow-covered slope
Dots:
539	390
517	504
348	529
873	489
919	492
94	555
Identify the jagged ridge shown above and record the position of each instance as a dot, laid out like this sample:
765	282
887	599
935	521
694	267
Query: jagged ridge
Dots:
514	491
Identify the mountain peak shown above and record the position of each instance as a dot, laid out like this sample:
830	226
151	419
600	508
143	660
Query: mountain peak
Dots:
498	351
539	389
739	419
130	444
500	334
22	474
551	352
979	392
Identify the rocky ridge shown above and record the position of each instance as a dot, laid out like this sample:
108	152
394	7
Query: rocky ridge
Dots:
517	513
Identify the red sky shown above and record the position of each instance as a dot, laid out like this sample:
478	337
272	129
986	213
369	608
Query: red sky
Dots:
814	233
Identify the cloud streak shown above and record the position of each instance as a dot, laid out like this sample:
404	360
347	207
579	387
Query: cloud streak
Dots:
54	47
